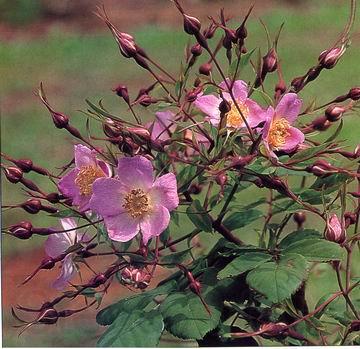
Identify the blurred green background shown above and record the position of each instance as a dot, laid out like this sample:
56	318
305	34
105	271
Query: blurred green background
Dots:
68	49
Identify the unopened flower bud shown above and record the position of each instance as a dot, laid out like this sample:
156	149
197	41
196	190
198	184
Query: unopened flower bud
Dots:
122	91
210	31
98	280
299	218
317	171
32	206
126	44
192	25
47	263
329	58
350	218
241	32
354	326
191	96
239	162
145	100
297	83
221	179
53	198
21	230
205	69
195	189
313	73
60	120
224	106
335	230
321	123
49	317
334	113
270	61
13	174
280	87
139	131
196	50
142	62
25	165
354	93
273	329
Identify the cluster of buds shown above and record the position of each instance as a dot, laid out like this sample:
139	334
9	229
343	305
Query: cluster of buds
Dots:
135	277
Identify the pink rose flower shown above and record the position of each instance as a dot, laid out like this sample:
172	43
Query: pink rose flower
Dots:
278	134
57	244
133	201
209	104
77	184
335	230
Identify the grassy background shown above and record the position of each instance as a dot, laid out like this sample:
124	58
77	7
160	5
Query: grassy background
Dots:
75	66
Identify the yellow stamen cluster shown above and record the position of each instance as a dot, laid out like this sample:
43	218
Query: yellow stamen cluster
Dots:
86	177
279	131
233	118
137	202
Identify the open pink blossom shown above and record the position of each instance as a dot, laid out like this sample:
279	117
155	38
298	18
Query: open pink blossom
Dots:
163	125
57	244
250	110
278	134
335	230
77	184
133	201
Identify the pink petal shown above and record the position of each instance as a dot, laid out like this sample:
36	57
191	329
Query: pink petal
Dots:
164	191
135	172
209	104
83	202
154	223
84	156
268	116
288	107
161	126
68	223
240	89
256	113
292	141
68	271
106	168
67	184
121	227
57	244
108	196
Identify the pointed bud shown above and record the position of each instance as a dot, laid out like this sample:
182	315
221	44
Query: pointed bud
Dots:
224	106
329	58
335	230
13	174
126	44
321	123
32	206
273	329
122	91
350	218
192	25
142	62
210	31
98	280
297	83
60	120
240	162
25	165
145	100
334	113
299	218
49	317
195	189
270	61
196	50
221	179
354	93
205	69
47	263
21	230
53	198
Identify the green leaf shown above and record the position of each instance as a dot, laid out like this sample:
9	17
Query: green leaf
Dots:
308	153
278	280
176	258
139	301
331	183
240	219
66	213
244	61
316	250
186	317
199	216
243	263
135	329
299	235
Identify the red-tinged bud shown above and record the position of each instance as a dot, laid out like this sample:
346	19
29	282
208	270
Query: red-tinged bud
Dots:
196	50
280	87
334	113
350	218
270	61
355	194
205	69
98	280
259	183
74	131
142	62
122	91
126	44
195	189
321	123
49	317
298	83
313	73
32	206
49	209
54	198
195	287
357	151
110	131
324	164
240	162
221	179
335	230
354	326
21	230
145	100
273	329
299	218
210	31
25	165
139	131
354	93
60	120
30	184
40	170
192	25
43	231
224	106
318	171
329	58
126	274
47	263
191	96
13	174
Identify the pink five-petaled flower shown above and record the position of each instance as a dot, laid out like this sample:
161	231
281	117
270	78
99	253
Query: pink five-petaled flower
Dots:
250	110
77	184
57	244
335	230
278	134
133	201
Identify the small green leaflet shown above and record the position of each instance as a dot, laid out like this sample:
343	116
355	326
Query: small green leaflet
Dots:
240	219
200	218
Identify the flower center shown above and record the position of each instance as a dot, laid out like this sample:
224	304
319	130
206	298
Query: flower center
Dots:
234	118
86	178
279	130
137	202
